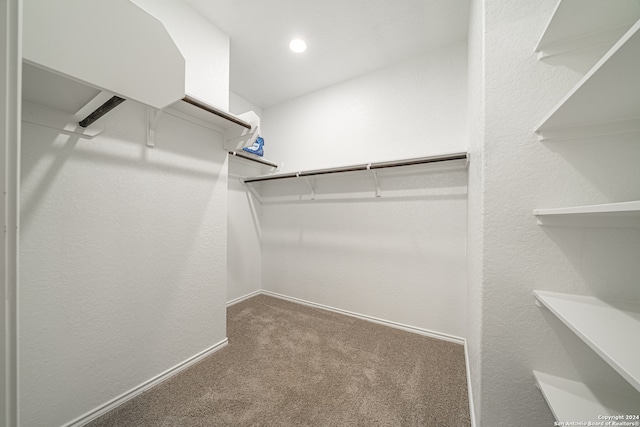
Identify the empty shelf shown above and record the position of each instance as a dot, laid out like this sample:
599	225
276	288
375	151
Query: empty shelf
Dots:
249	157
610	328
190	107
606	100
624	214
581	24
574	401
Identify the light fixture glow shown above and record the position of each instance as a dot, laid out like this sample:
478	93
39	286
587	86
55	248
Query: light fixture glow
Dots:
298	45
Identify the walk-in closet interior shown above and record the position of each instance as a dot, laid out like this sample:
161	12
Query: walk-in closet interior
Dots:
429	217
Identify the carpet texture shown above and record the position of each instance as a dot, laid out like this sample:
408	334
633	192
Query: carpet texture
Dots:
291	365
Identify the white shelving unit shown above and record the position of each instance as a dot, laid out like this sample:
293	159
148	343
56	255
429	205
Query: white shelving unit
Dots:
574	401
583	24
624	214
610	328
606	101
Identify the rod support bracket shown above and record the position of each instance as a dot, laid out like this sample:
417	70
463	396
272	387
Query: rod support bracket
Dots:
153	118
312	190
376	181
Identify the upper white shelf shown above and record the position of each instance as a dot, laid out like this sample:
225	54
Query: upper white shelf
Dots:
606	101
610	328
194	108
624	214
239	130
581	24
113	46
574	401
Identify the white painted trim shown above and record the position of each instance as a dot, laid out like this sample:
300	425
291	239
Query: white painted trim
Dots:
10	124
128	395
245	297
407	328
472	411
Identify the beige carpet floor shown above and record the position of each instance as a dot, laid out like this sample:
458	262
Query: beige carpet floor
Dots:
291	365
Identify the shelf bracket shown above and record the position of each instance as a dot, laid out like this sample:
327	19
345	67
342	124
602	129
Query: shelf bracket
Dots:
538	303
153	118
375	180
310	185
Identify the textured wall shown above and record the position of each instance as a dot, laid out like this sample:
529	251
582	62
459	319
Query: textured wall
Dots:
416	108
244	246
205	49
519	175
123	259
400	257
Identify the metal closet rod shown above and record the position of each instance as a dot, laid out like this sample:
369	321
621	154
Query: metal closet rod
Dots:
368	166
253	159
112	103
213	110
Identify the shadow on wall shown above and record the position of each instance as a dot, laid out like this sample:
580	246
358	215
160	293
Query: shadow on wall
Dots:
46	151
609	162
30	204
584	359
605	258
581	61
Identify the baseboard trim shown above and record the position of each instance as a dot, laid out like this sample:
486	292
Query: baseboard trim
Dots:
472	411
124	397
408	328
244	297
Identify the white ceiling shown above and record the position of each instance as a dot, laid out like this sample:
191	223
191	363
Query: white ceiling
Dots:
345	38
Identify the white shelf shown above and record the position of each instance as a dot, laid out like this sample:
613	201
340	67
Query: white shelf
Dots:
606	101
581	24
624	214
219	119
574	401
111	45
610	328
253	158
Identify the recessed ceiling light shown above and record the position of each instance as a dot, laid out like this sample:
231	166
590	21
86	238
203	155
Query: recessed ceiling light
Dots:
298	45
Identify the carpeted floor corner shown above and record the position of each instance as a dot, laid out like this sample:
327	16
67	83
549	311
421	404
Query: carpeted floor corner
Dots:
291	365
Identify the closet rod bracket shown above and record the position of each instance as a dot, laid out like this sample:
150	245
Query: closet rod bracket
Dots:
310	185
153	118
376	181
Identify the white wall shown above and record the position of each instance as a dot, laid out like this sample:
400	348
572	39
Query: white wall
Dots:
400	257
416	108
244	245
205	49
519	174
239	105
244	254
123	259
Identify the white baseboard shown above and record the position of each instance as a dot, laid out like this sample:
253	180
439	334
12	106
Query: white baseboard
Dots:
472	411
244	297
124	397
408	328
